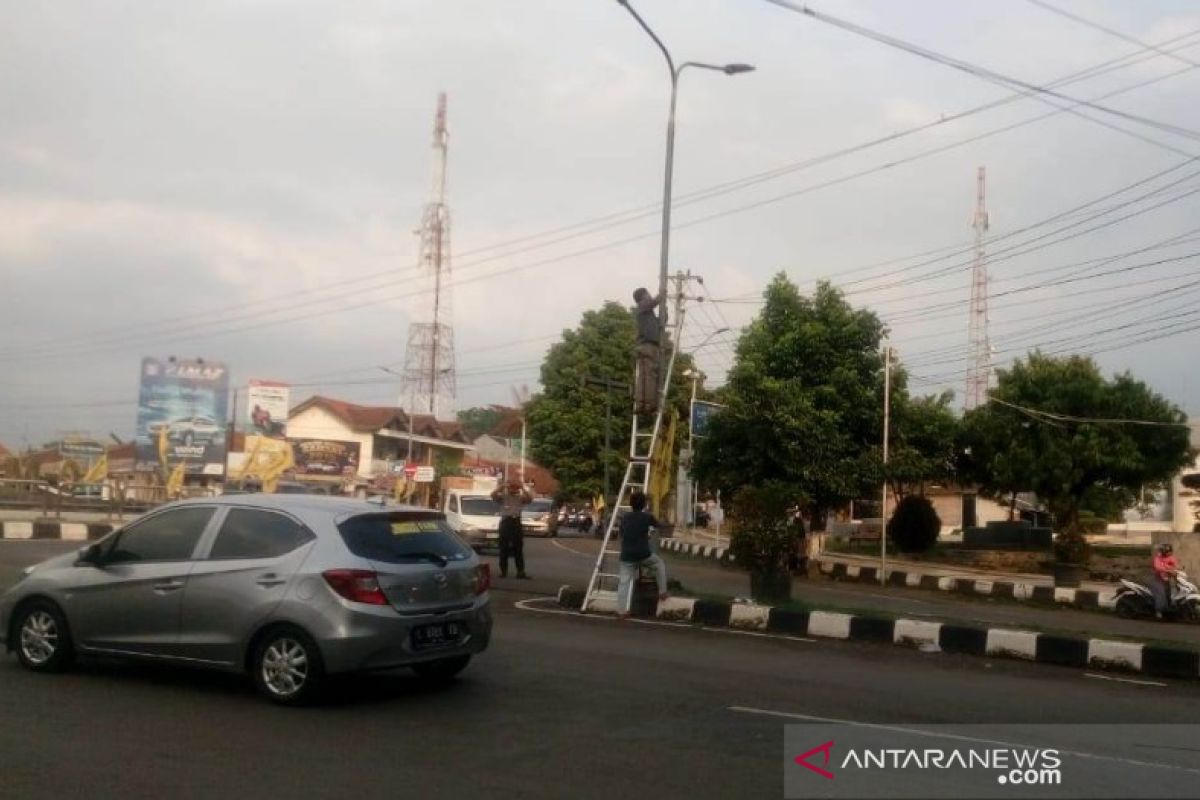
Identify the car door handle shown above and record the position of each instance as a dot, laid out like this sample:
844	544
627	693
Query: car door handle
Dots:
268	581
168	586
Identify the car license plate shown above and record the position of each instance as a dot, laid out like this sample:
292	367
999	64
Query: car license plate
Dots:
442	634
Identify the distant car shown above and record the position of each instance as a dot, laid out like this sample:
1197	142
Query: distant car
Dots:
287	588
535	517
191	430
475	515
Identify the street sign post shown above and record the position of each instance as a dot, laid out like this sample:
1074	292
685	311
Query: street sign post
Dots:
424	474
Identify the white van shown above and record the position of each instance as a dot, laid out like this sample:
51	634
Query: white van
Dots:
475	515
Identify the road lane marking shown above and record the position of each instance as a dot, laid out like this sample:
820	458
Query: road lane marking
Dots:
527	605
953	736
571	550
1123	680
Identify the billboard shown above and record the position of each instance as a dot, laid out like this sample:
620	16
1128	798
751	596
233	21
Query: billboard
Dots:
267	409
182	409
325	457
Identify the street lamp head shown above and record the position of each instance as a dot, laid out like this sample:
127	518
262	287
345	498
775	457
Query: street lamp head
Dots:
737	69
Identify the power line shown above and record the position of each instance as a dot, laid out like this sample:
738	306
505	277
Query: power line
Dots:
1111	32
1088	420
981	72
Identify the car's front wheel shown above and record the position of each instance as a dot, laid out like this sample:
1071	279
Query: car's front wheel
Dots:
443	669
287	667
43	640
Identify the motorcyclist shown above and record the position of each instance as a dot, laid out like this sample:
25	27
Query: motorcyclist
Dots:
1165	568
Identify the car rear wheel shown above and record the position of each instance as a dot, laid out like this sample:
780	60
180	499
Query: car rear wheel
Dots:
443	669
43	641
287	667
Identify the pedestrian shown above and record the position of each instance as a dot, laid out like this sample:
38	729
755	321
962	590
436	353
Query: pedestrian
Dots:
636	553
1165	567
512	534
649	342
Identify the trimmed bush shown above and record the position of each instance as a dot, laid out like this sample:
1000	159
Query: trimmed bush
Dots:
914	526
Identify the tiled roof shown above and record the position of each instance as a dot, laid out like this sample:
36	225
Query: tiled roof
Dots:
543	482
374	418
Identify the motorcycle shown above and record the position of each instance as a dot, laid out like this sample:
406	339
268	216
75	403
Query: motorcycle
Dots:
1134	599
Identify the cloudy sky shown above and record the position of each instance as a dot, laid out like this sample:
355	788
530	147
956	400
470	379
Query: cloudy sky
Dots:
242	180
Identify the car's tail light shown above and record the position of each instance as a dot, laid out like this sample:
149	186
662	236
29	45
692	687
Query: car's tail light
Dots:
357	585
483	578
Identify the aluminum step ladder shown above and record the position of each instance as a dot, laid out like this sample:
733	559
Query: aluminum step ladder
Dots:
601	592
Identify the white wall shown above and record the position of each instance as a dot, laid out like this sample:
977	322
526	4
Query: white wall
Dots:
317	423
1182	514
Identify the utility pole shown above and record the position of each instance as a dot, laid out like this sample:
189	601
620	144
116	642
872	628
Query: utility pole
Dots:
887	413
608	385
979	349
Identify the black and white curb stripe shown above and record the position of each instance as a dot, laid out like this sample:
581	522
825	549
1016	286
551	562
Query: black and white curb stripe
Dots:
1080	598
702	550
1067	651
54	529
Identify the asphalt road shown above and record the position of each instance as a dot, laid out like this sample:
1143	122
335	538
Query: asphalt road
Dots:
560	705
554	562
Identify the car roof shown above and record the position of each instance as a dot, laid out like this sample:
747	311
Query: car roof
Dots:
304	505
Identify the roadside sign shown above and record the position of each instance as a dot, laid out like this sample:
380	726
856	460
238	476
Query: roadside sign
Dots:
424	474
701	412
410	470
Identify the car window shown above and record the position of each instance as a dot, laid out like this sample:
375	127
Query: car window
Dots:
537	507
402	537
482	506
252	533
169	536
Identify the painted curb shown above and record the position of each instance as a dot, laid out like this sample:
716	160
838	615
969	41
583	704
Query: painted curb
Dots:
839	571
55	529
1042	648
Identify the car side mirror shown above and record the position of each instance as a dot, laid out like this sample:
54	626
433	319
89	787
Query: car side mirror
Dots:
91	555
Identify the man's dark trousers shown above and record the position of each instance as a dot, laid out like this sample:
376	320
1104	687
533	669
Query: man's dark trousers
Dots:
512	541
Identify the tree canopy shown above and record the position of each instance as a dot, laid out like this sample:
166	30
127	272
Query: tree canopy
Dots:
1057	427
803	404
922	446
566	420
482	419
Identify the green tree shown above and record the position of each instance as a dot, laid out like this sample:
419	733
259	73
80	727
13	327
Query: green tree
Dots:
566	420
803	404
1054	427
480	420
923	440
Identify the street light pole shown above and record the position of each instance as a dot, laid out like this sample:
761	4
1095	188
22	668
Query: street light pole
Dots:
664	249
887	413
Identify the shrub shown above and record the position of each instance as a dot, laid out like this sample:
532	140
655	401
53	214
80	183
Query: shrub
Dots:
767	531
1071	547
914	526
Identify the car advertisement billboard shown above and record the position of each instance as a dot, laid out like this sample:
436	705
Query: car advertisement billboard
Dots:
267	409
182	408
325	457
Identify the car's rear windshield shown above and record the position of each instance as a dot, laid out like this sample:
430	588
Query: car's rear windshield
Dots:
482	506
402	537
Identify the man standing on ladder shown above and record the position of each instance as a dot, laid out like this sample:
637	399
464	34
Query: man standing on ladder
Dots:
649	344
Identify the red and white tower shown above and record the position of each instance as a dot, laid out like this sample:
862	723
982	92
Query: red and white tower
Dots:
979	349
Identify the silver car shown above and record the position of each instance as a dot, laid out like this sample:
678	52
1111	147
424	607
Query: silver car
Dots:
289	588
